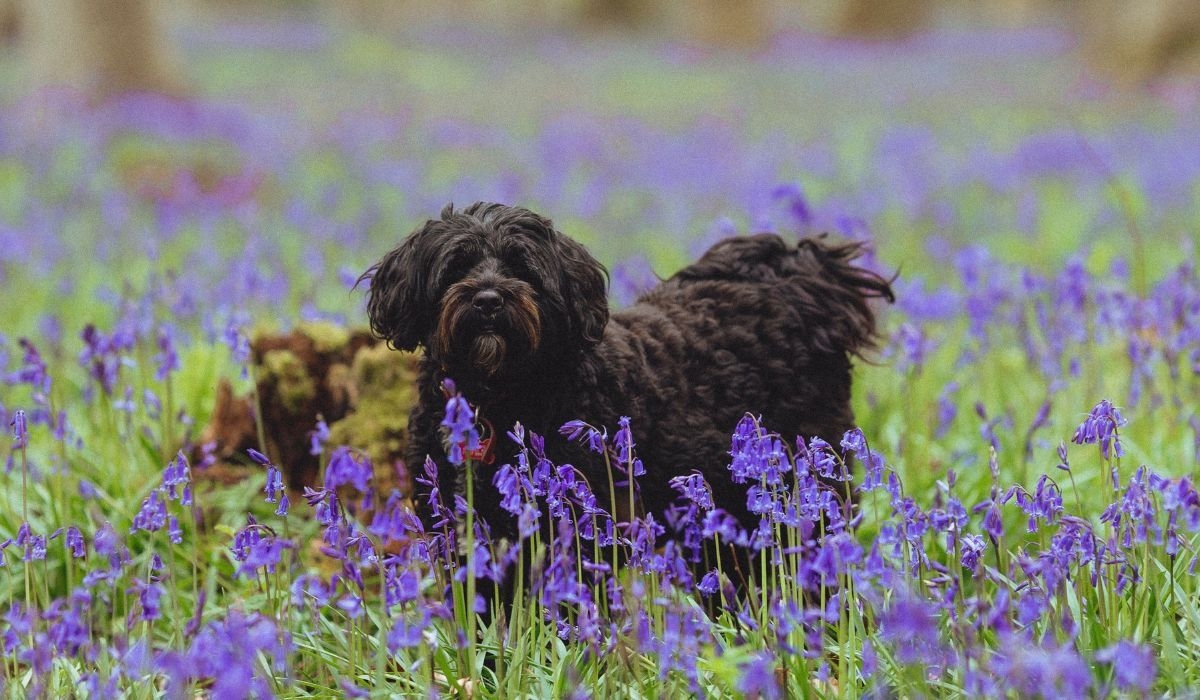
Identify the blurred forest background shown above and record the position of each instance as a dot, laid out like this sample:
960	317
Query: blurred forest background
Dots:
111	46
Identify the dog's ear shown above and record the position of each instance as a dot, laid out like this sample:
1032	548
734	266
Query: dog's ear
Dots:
583	285
840	293
399	302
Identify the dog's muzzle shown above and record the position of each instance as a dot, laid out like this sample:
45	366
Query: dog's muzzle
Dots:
482	327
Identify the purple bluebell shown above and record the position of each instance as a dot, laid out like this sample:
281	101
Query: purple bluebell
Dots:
274	483
318	438
152	516
20	428
166	359
631	277
595	439
1044	505
825	461
102	358
910	626
260	553
910	347
149	594
75	543
347	466
408	632
177	480
174	532
1101	427
1134	665
947	409
1033	670
228	653
757	678
34	544
152	404
462	433
258	457
972	548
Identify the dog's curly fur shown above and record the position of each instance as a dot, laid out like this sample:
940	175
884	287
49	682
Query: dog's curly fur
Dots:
517	314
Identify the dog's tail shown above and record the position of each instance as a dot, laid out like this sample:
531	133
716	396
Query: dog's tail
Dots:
816	276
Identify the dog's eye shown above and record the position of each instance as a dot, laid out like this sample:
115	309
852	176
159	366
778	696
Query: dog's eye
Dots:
526	271
456	267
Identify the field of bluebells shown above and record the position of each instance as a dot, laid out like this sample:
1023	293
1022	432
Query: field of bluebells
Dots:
1028	523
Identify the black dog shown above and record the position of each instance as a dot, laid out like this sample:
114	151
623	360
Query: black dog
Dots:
517	314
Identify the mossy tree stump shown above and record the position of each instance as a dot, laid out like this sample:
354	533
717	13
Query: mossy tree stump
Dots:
361	389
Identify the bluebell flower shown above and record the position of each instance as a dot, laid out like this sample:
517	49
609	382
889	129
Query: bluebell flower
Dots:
403	585
176	479
719	523
1044	505
166	360
710	583
227	653
825	461
152	516
100	358
1134	518
972	548
514	487
20	428
1031	605
993	524
318	438
757	456
310	588
274	483
174	532
1101	427
910	626
792	195
1134	665
911	346
595	439
835	556
75	543
407	633
630	278
757	678
695	489
260	553
1063	463
149	594
347	466
393	522
32	372
623	440
1032	670
35	545
947	409
351	604
462	433
1039	421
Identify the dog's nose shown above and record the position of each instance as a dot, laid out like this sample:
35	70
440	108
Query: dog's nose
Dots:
487	302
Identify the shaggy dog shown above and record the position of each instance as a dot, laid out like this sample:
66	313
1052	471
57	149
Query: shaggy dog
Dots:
517	314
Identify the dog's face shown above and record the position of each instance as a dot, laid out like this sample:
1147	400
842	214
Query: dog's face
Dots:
489	291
